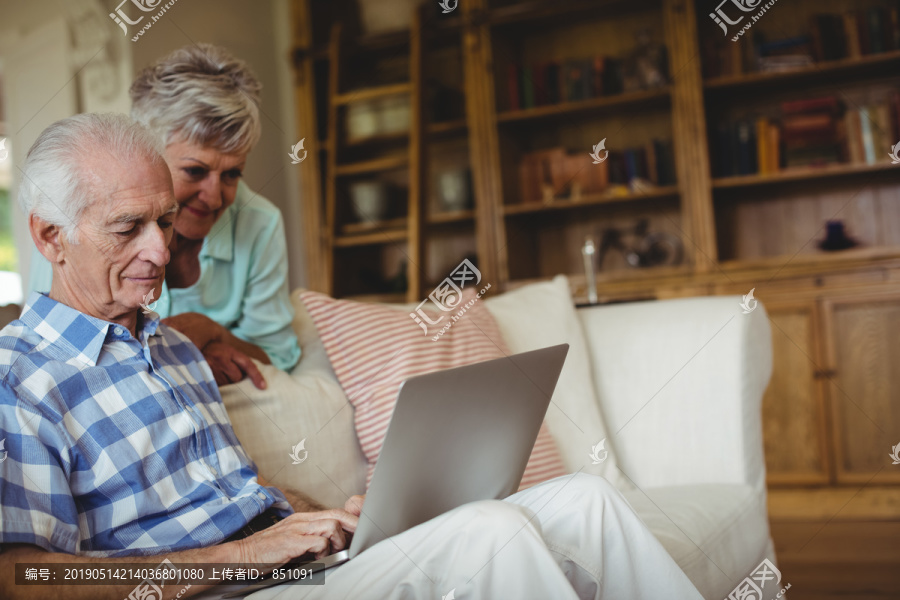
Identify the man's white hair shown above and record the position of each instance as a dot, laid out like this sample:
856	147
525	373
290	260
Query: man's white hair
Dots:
60	176
202	95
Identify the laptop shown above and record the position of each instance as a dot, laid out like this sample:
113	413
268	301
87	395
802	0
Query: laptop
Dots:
456	436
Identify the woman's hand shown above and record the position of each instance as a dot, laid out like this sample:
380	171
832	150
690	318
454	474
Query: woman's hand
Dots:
199	328
230	365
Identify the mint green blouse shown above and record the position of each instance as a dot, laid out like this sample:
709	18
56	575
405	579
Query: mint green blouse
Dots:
243	279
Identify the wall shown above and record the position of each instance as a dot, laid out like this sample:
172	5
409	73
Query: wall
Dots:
256	31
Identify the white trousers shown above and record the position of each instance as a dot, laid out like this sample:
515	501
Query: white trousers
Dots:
572	537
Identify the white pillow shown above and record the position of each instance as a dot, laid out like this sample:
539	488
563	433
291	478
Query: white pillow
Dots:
306	404
540	315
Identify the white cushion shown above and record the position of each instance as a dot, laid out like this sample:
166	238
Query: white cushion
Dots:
306	404
716	533
540	315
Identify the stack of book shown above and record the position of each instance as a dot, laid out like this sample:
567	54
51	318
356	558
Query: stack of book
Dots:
808	133
556	174
855	33
872	130
811	132
552	82
851	34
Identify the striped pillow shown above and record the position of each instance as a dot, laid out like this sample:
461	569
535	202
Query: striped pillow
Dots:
373	348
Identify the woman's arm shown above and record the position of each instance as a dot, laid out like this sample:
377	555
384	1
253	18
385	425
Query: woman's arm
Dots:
228	355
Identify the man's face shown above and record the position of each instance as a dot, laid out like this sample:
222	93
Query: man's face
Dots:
123	239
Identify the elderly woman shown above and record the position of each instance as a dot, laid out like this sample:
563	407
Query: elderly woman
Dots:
226	284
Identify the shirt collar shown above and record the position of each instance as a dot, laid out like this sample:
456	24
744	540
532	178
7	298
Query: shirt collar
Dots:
72	334
219	243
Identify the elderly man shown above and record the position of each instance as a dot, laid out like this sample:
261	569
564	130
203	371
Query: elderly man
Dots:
119	446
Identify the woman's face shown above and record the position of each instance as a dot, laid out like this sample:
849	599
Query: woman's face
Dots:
205	185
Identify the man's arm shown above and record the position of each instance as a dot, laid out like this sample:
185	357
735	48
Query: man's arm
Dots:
318	533
297	499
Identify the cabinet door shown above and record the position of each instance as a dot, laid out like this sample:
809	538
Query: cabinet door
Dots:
794	427
862	339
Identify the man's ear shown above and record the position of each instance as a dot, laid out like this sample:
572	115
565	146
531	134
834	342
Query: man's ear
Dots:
48	238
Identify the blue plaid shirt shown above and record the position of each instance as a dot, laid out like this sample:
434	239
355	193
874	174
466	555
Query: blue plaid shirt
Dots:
116	446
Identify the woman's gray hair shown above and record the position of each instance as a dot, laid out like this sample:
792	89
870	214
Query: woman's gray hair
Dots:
59	178
202	95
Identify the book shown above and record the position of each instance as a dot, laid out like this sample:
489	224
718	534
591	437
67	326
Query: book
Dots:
851	33
854	141
807	105
762	148
868	142
512	83
526	83
552	82
597	76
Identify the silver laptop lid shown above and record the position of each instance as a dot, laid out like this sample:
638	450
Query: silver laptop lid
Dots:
457	436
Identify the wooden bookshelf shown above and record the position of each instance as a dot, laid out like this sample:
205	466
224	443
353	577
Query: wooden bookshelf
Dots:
813	298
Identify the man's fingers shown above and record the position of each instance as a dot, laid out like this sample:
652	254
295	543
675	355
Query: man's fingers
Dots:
354	505
347	520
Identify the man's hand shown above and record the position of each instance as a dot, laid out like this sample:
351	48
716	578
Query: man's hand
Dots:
317	533
230	365
354	504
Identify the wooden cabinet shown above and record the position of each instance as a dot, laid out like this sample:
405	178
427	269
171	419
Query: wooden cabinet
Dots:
832	408
795	432
862	343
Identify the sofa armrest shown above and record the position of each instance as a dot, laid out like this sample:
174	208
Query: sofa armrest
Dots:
680	383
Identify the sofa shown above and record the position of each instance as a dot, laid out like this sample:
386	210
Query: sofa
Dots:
673	388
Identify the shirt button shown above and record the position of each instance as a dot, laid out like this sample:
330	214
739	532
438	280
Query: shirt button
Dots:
118	331
261	495
213	469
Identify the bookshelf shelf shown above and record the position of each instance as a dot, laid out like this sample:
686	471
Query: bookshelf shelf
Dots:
350	229
633	100
372	166
447	127
587	201
804	174
457	216
530	12
372	93
886	64
380	236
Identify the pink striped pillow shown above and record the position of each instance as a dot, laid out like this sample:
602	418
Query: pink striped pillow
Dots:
374	348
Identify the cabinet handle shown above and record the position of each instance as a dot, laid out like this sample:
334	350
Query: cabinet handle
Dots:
824	373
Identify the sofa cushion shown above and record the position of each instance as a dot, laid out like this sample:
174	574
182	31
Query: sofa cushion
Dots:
374	348
540	315
309	405
717	533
